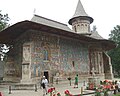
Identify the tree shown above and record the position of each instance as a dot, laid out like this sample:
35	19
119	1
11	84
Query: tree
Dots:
3	21
115	53
3	24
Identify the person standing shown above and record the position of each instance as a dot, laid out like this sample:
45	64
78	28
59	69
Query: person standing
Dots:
76	81
44	85
118	84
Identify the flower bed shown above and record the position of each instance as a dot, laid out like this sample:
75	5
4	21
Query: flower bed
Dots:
103	88
53	92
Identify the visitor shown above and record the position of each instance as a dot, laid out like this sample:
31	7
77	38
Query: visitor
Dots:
41	83
44	85
118	84
76	81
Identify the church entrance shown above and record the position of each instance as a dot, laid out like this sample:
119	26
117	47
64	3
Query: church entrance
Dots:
46	74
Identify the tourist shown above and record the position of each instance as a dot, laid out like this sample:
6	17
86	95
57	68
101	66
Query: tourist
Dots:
41	83
76	81
44	85
118	84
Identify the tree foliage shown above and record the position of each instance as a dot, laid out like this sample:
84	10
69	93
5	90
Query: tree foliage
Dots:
4	19
115	53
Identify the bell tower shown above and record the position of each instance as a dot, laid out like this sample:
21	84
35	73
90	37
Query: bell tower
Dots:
81	21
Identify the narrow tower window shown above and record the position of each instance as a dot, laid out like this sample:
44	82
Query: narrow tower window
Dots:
73	63
75	28
82	24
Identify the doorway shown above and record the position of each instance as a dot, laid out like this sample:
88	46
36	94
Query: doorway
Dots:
46	74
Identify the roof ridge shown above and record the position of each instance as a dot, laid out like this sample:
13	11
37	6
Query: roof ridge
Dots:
50	19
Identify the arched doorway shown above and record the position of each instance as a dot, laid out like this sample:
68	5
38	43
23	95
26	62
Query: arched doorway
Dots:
46	74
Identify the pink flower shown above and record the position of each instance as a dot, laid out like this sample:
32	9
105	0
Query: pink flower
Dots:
106	80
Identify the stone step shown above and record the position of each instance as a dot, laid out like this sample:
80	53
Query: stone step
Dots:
23	87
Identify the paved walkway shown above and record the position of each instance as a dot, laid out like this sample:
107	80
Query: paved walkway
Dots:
59	88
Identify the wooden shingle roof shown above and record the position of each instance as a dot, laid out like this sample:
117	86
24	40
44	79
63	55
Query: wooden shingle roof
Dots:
80	13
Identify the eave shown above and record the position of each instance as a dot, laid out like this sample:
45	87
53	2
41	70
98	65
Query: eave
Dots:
8	35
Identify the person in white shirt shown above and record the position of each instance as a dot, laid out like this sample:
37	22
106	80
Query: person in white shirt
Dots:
118	84
44	85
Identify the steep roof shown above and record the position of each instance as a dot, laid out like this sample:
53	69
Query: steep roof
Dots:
80	12
49	22
95	35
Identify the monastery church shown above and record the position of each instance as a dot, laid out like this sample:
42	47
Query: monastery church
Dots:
46	47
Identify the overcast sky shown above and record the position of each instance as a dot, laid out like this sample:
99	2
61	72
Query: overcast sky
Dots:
105	13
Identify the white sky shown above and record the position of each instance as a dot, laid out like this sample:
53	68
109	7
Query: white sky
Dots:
105	13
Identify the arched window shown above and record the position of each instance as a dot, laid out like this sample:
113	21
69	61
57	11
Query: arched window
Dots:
46	51
73	63
75	28
46	54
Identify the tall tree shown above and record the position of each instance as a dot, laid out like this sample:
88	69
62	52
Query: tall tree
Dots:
115	53
4	19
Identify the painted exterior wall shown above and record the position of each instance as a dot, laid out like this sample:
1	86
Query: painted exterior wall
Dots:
1	70
37	53
64	55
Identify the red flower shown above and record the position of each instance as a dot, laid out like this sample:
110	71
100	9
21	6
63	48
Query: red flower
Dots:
58	94
1	94
67	92
53	88
49	90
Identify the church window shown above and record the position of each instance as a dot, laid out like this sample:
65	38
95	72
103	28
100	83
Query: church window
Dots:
88	28
82	24
75	28
73	63
45	52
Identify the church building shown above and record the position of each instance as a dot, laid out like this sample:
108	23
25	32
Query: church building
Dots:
43	46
